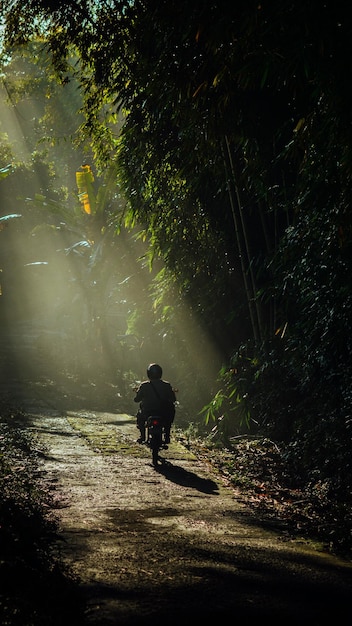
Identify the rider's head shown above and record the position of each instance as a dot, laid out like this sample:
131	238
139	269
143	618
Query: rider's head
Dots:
154	371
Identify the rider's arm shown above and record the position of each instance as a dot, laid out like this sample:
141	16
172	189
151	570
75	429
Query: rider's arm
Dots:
138	397
140	394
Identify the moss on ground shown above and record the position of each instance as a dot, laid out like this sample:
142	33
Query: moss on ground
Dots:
111	434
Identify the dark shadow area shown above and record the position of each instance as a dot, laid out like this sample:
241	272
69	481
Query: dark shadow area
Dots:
133	519
183	477
233	583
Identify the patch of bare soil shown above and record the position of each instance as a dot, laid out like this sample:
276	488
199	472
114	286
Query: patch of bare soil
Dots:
173	545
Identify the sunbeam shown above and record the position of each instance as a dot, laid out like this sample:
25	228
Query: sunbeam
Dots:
77	300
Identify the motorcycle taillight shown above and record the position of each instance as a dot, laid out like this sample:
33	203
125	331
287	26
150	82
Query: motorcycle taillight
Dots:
155	422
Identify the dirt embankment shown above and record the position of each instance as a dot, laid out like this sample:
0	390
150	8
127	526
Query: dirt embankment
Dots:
175	545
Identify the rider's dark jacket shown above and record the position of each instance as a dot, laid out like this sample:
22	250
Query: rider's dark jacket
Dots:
156	397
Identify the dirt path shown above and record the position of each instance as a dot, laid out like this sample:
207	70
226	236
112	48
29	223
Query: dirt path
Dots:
174	546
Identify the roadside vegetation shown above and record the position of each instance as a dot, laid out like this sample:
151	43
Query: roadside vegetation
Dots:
35	588
279	498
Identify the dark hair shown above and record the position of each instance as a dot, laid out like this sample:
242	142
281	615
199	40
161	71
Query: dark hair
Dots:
154	371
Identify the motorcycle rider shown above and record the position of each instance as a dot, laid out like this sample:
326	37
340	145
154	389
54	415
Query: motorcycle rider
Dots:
156	397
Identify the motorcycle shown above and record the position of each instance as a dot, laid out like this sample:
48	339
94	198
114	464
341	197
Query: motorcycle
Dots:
155	436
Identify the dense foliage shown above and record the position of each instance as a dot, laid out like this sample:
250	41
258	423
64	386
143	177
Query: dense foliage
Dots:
234	157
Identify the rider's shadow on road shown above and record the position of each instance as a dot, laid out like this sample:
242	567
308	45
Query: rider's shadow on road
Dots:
188	479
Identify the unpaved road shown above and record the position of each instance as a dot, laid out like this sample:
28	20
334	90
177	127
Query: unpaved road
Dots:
174	546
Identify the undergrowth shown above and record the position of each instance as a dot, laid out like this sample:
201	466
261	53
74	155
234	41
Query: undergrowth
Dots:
265	480
35	589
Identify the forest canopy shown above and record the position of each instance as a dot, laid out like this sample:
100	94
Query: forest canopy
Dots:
222	132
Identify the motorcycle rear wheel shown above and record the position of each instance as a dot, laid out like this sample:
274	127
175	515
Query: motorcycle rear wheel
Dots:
155	456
